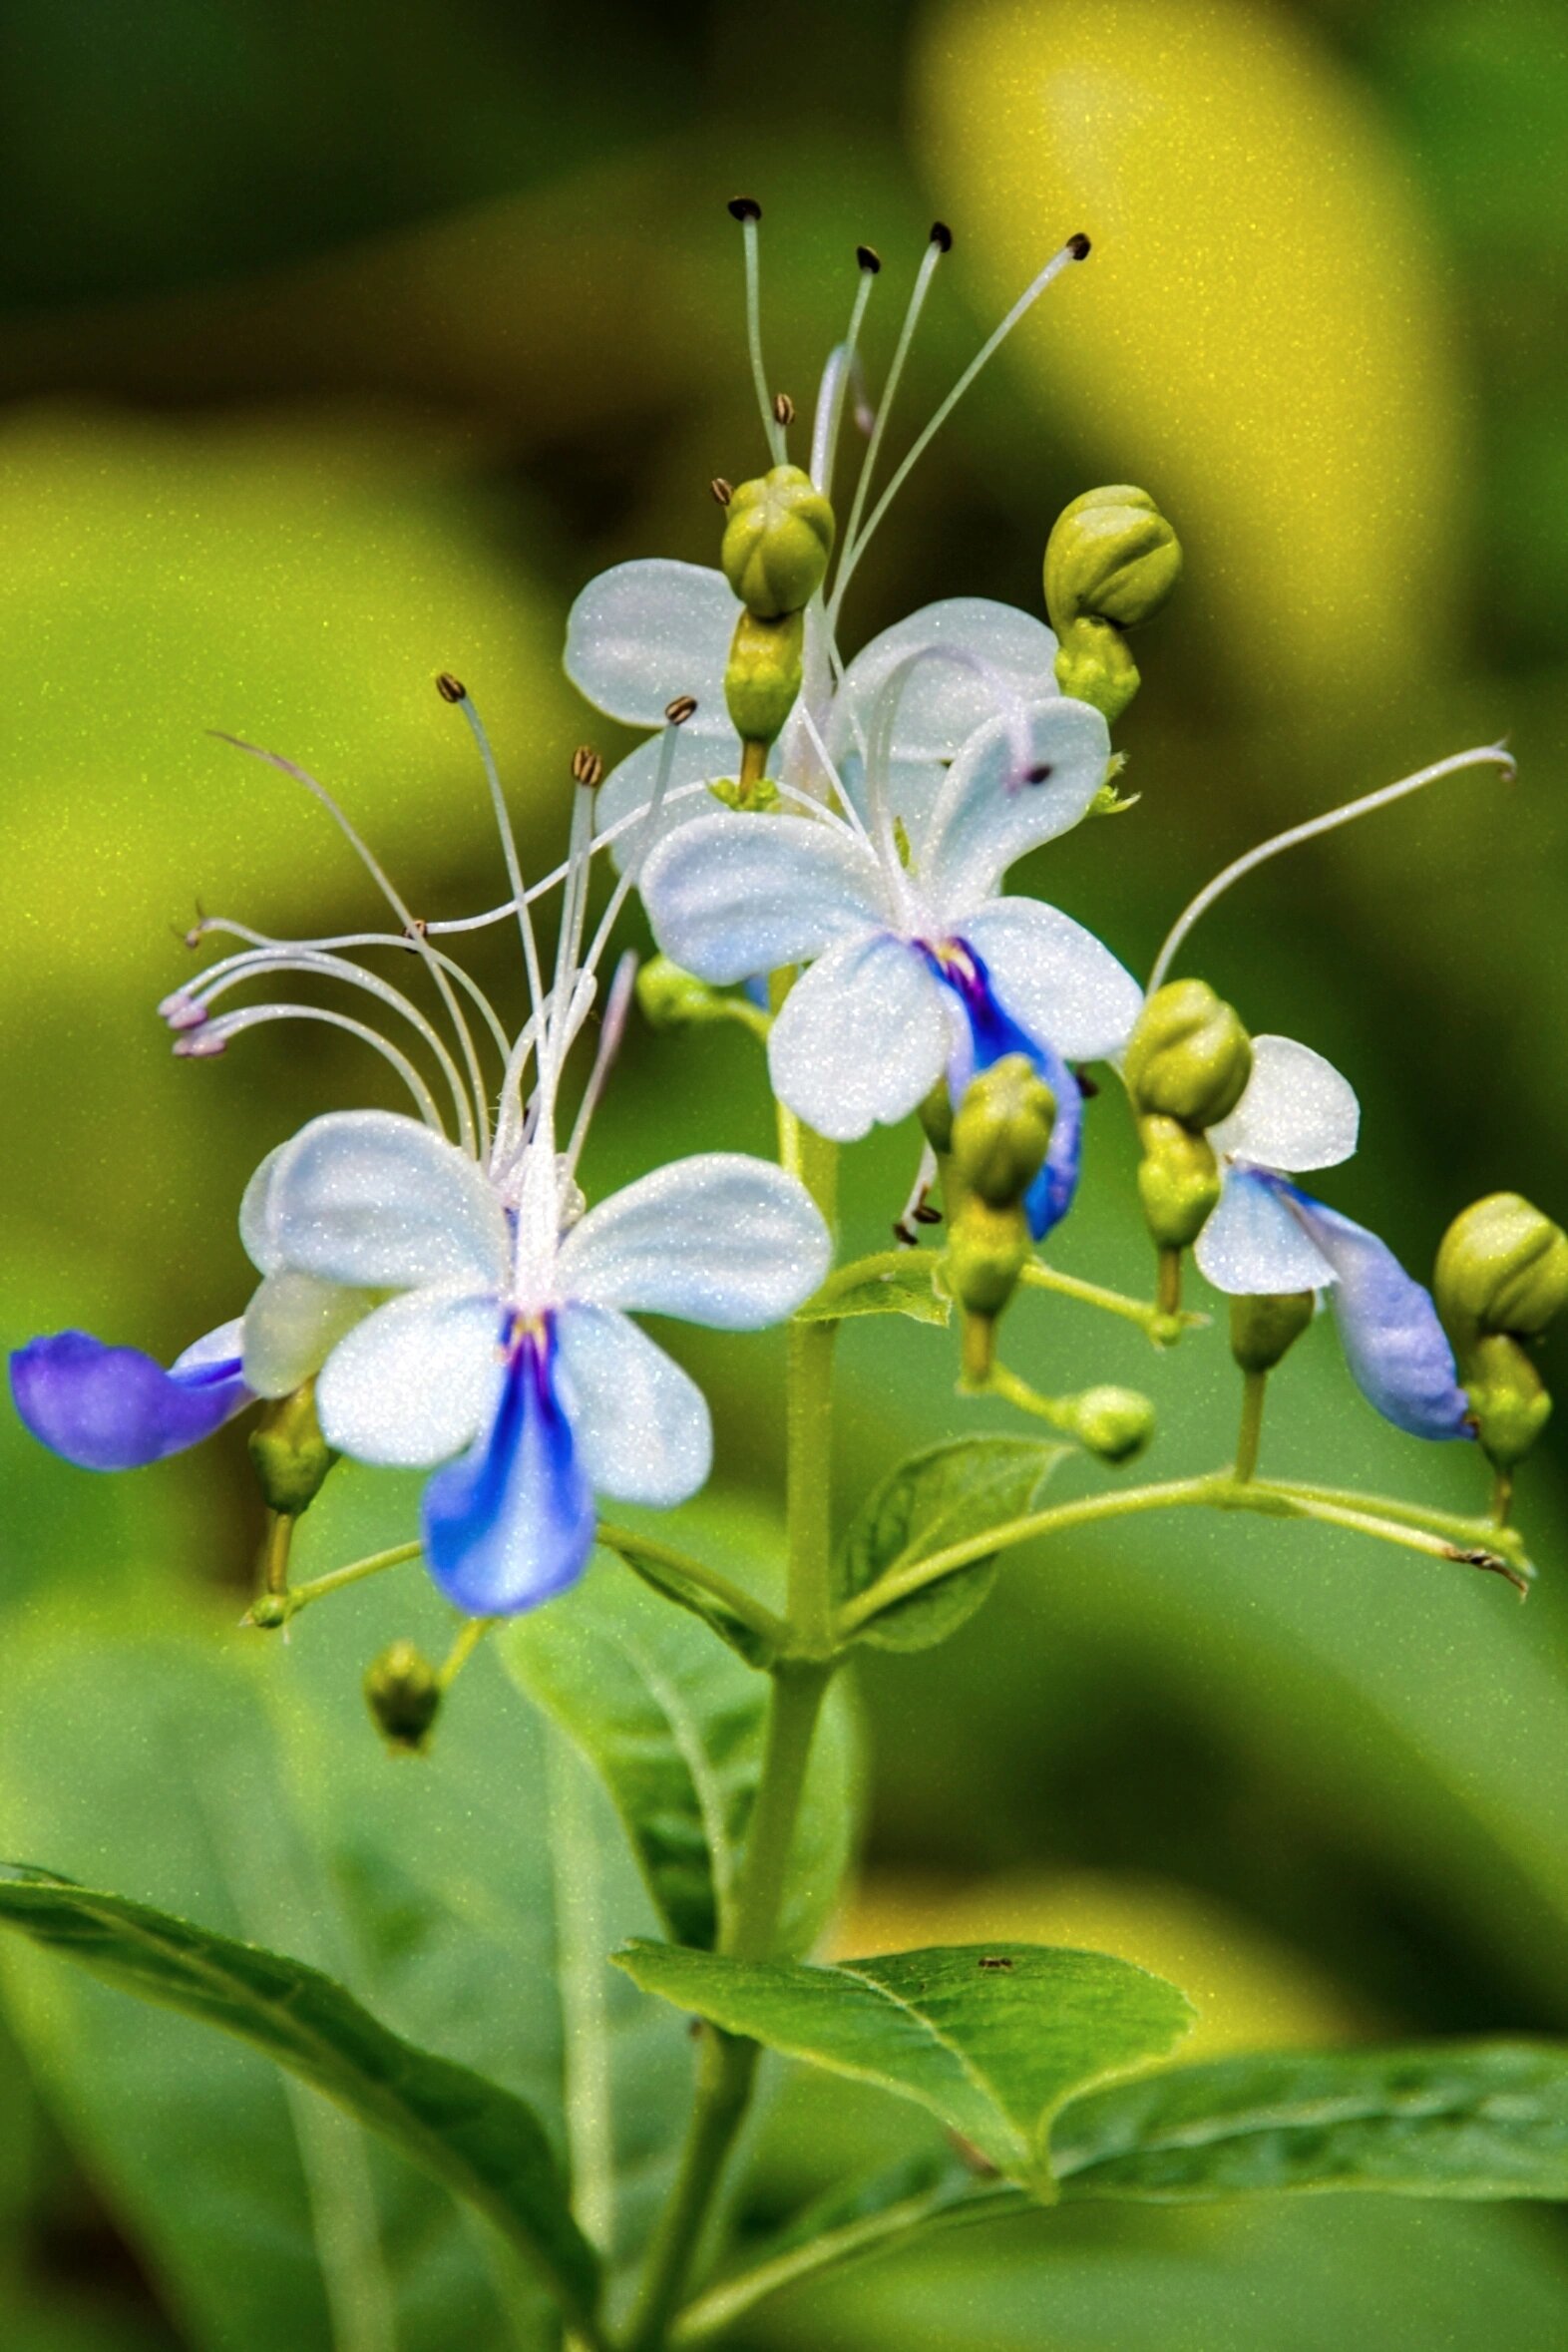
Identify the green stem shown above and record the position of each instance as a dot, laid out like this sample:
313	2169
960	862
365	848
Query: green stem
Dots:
300	1596
462	1650
631	1546
277	1545
1161	1325
1058	1413
1250	1436
1502	1497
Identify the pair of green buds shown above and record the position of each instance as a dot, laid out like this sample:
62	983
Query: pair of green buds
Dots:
1501	1280
778	537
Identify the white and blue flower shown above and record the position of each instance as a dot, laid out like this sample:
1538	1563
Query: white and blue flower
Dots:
1266	1237
918	970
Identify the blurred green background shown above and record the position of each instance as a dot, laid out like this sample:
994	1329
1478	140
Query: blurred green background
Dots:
343	344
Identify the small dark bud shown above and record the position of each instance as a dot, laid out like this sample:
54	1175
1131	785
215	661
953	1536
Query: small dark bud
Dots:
451	689
942	236
720	489
682	709
783	409
403	1694
1078	246
869	259
744	208
587	766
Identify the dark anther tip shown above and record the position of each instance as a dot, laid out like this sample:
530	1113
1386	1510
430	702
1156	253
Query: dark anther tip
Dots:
587	766
1038	775
744	208
1078	246
942	236
682	709
451	689
783	409
720	489
869	259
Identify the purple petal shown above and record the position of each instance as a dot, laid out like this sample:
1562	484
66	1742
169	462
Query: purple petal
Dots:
994	1034
512	1521
1389	1328
115	1409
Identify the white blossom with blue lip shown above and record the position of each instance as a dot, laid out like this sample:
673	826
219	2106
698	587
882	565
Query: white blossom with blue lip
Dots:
1266	1237
917	970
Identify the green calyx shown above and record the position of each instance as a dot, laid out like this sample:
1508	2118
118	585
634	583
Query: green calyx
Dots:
403	1694
778	536
289	1453
1509	1402
752	799
1189	1057
1001	1131
1093	666
764	673
1111	557
1178	1182
1265	1329
1501	1266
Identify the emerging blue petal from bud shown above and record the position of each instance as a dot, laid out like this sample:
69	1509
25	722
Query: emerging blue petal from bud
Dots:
1394	1345
115	1409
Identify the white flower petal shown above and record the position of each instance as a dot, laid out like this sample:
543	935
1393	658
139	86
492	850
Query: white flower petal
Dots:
944	701
1055	979
255	1214
914	788
699	756
219	1346
731	895
719	1238
861	1037
644	632
1298	1111
641	1423
291	1325
416	1381
990	813
1253	1246
377	1201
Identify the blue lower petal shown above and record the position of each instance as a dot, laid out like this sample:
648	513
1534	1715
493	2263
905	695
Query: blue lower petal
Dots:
115	1409
996	1034
512	1522
1394	1343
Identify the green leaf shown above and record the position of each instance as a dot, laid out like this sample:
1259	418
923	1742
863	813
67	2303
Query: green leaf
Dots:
673	1726
1467	2120
485	2142
906	1283
661	1568
991	2039
943	1495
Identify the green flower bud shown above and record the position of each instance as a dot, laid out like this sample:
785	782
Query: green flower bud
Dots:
1509	1398
1178	1182
987	1248
1001	1131
764	673
1501	1266
1113	1424
1265	1329
936	1117
403	1694
288	1452
1113	557
669	999
1093	666
778	536
1189	1058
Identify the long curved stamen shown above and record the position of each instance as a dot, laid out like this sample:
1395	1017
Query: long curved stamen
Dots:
1075	249
843	367
223	925
452	690
218	981
1484	755
212	1038
749	213
384	884
825	762
629	880
939	242
568	946
616	1007
1009	701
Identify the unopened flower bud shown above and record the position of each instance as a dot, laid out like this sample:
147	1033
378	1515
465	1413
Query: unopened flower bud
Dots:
1501	1266
1265	1329
764	675
778	536
289	1454
1189	1058
1093	666
936	1117
403	1694
1001	1131
1509	1398
1178	1182
1113	1424
1112	557
987	1248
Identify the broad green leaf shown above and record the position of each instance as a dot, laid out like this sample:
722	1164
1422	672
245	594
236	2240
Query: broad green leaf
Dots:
943	1495
909	1283
660	1567
673	1723
1466	2119
485	2142
992	2040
